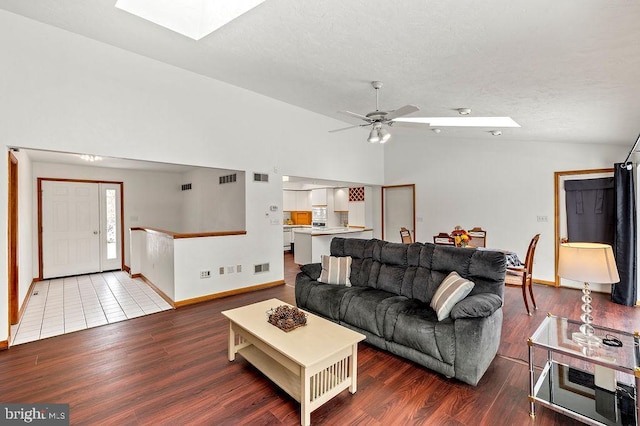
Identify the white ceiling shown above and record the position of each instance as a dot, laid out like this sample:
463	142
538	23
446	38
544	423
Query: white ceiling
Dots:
565	70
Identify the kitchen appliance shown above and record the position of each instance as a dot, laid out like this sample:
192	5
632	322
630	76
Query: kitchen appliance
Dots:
319	217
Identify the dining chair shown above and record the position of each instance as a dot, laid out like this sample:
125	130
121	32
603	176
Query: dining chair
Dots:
443	239
405	235
523	275
478	237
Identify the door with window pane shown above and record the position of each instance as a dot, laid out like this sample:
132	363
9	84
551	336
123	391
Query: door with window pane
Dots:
80	227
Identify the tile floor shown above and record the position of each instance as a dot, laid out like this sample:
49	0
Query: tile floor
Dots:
64	305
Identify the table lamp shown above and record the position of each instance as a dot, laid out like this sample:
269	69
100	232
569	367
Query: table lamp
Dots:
587	262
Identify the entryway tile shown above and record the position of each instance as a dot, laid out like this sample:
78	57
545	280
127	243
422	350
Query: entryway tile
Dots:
70	304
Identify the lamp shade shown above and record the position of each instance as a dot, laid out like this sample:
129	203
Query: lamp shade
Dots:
588	262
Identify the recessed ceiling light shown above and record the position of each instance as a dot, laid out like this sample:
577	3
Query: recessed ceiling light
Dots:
436	130
192	18
496	132
461	121
464	111
91	158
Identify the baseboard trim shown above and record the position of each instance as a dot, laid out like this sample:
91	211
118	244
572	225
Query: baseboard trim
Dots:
26	300
126	269
153	286
545	282
228	293
4	345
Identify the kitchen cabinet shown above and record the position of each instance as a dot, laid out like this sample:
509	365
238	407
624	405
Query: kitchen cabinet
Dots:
286	238
303	200
361	212
319	197
341	199
289	201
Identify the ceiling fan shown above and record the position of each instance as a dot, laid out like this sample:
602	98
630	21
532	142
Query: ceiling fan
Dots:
378	120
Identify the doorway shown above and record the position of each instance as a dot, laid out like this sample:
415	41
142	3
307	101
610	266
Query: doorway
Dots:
79	227
398	211
561	216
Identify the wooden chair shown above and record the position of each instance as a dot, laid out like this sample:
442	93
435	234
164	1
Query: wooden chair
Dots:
443	239
522	275
405	235
478	237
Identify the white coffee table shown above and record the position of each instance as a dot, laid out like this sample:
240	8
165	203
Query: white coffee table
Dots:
312	363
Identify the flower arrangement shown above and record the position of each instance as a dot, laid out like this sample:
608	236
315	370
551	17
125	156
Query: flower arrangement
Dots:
460	237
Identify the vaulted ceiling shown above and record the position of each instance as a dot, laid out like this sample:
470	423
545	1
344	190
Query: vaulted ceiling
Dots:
565	70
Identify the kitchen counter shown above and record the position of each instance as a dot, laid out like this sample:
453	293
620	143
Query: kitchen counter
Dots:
329	231
312	243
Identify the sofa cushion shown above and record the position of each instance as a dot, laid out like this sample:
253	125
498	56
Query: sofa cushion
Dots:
453	289
367	309
335	270
416	326
325	299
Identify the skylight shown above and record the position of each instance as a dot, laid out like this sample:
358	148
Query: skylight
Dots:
461	121
192	18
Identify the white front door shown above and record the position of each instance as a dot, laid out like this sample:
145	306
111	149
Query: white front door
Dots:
81	228
70	228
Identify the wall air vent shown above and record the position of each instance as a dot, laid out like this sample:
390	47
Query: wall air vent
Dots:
260	177
263	267
186	187
227	179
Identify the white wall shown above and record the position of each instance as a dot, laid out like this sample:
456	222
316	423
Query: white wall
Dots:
67	93
497	184
210	206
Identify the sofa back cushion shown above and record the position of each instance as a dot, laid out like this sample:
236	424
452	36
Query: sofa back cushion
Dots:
416	270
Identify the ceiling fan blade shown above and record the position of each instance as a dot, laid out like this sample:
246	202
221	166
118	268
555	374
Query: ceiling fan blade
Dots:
407	109
346	128
461	121
353	114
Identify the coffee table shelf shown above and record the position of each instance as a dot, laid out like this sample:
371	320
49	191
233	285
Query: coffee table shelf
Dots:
570	388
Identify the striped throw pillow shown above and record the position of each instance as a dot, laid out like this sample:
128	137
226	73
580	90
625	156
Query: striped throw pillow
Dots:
453	289
336	270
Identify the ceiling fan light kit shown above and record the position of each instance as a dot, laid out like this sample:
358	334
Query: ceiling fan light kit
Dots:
378	120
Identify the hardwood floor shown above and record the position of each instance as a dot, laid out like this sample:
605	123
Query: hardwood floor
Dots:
172	368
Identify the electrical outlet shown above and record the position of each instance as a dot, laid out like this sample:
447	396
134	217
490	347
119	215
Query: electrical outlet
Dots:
238	268
543	218
221	270
229	269
205	274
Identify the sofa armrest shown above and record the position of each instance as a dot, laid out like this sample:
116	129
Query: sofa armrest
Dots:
312	270
476	306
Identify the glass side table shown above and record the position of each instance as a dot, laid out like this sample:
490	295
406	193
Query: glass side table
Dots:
567	383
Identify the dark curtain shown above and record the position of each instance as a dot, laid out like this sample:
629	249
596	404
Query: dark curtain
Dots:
624	292
591	210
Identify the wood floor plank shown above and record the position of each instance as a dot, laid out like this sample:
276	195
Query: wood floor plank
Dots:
171	368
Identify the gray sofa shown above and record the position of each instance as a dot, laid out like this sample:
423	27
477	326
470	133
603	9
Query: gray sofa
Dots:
388	301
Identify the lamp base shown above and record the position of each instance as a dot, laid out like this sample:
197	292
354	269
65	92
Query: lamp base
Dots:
585	340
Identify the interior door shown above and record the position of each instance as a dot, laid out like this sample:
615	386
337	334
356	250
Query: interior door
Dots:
70	228
398	210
